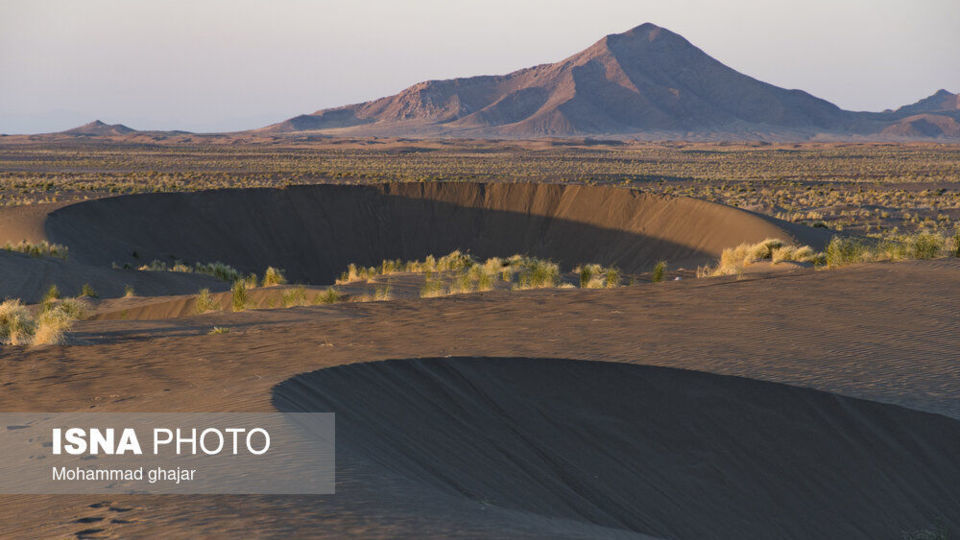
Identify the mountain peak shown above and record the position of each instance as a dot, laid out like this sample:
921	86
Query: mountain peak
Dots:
642	29
942	100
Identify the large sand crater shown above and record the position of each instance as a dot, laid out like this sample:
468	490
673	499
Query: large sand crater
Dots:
314	232
660	451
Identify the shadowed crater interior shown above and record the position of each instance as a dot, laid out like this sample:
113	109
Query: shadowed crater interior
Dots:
313	232
661	451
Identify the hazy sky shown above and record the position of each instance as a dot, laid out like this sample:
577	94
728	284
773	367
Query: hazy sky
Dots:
216	65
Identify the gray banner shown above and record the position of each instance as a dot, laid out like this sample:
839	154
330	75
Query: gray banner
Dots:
181	453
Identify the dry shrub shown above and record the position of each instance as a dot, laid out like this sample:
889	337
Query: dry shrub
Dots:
296	296
273	277
16	324
49	327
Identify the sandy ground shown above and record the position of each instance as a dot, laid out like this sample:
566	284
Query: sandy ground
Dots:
885	332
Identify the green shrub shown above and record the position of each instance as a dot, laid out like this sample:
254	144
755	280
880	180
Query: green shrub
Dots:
53	293
612	278
926	245
218	270
658	272
537	274
87	291
585	273
238	295
841	251
329	296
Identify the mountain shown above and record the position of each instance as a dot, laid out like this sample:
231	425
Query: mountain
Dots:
99	129
941	101
645	79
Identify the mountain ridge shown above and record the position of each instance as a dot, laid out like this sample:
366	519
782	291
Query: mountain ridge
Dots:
646	83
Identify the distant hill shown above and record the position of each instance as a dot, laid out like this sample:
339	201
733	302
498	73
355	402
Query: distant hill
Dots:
99	129
924	126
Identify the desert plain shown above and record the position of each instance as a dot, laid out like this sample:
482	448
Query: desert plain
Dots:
569	338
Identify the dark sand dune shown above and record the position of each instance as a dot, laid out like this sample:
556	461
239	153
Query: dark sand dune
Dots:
28	278
659	451
314	232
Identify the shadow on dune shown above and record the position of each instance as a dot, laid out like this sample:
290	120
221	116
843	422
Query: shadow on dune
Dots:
314	232
660	451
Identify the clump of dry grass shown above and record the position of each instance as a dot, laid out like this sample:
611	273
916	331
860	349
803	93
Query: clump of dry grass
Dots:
204	302
734	260
383	292
454	261
49	327
272	277
16	325
433	288
296	296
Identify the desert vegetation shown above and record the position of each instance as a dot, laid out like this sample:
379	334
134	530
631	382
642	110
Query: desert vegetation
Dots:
38	249
238	295
273	277
458	273
204	302
219	270
46	324
239	298
734	260
922	245
842	250
857	188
